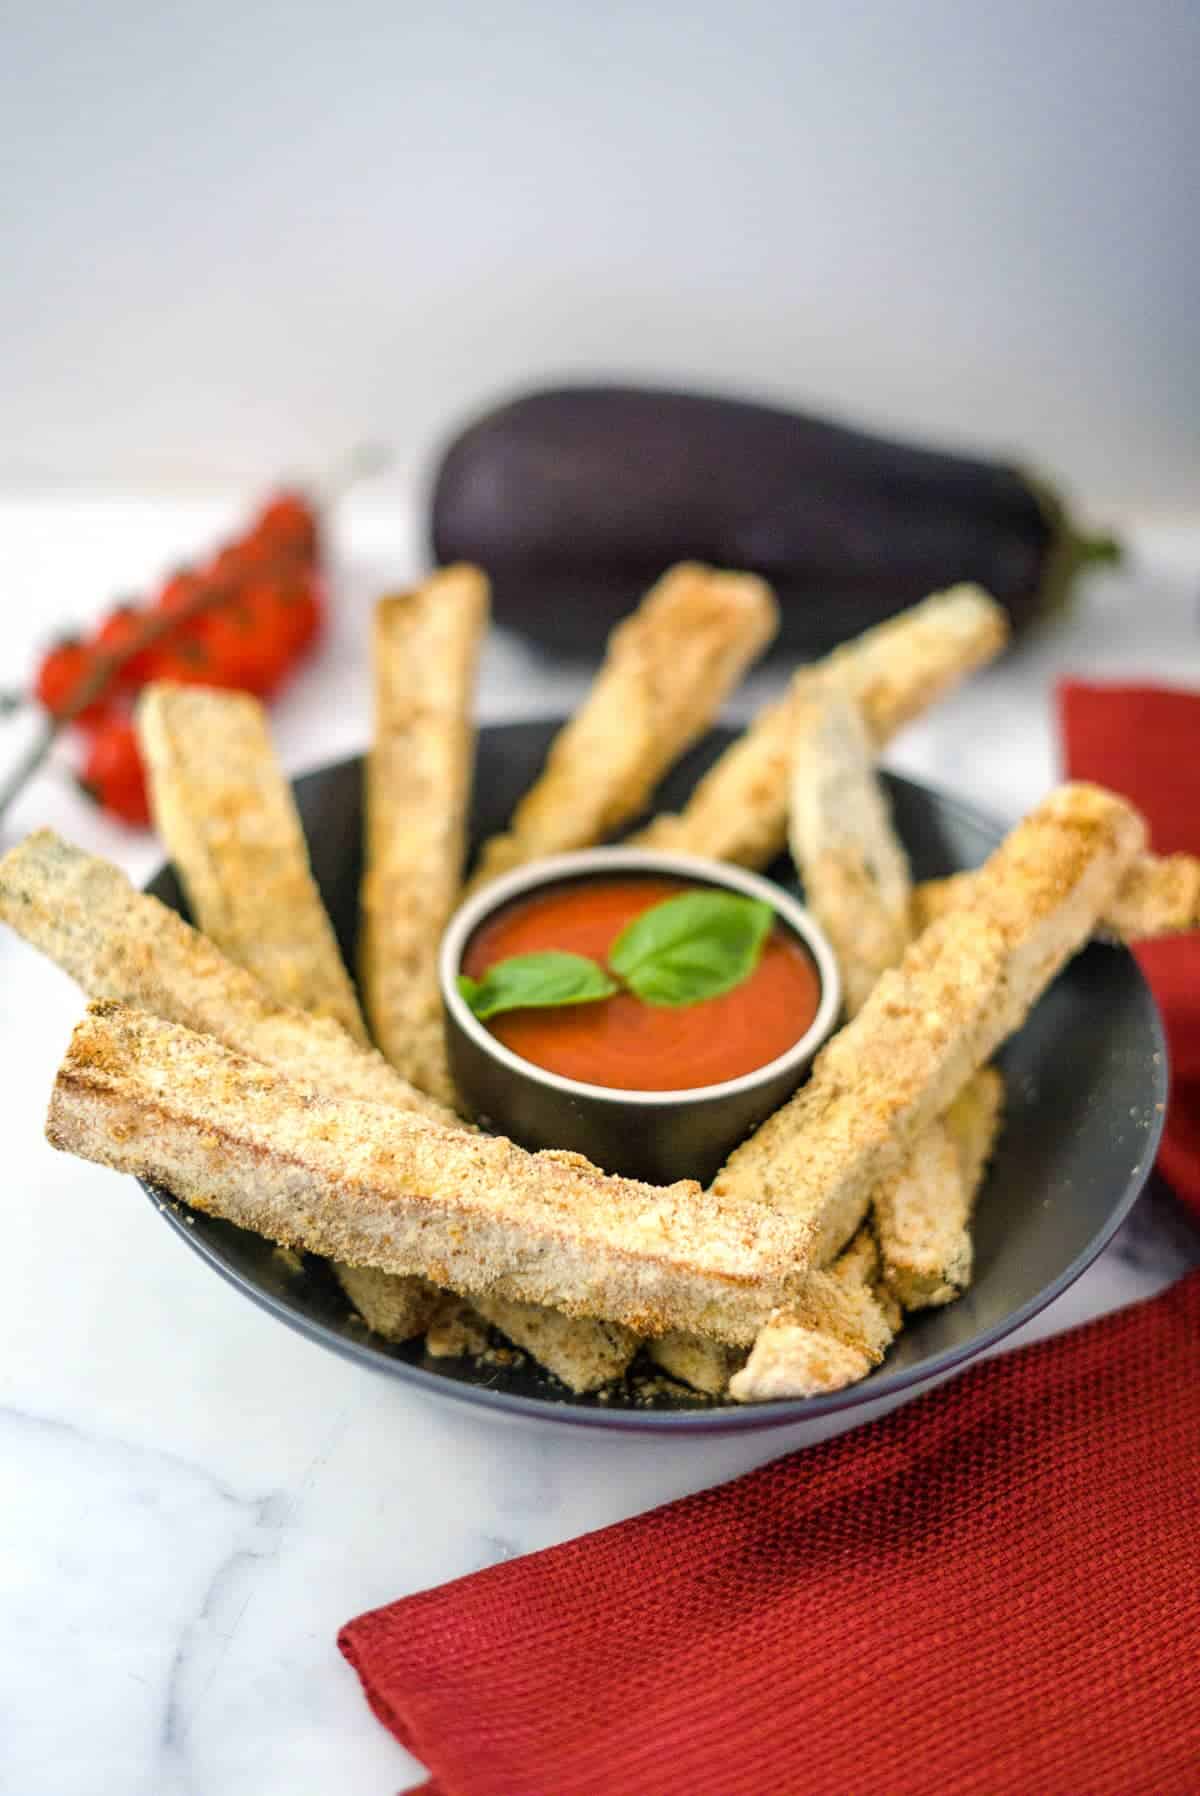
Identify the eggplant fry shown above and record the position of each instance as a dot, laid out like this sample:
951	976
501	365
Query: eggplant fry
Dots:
456	1329
854	872
932	1021
831	1335
230	825
668	670
370	1186
418	784
923	1212
695	1360
1160	895
582	1353
397	1309
856	880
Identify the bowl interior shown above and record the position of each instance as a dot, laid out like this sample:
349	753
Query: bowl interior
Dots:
1086	1082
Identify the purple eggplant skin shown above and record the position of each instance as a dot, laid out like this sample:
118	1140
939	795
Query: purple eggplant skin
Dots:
575	499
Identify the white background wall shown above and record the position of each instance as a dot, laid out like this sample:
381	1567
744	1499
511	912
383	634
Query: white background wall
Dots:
237	237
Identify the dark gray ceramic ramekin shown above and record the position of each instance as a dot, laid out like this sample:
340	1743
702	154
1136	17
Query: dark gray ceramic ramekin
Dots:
654	1135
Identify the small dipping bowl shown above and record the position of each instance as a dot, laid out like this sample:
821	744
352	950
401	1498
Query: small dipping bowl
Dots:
659	1136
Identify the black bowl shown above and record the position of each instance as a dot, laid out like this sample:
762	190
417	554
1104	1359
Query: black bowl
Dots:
1087	1086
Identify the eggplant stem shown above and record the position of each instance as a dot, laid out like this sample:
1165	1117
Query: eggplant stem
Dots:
1071	550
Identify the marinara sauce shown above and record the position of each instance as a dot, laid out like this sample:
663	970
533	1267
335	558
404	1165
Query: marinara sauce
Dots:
621	1041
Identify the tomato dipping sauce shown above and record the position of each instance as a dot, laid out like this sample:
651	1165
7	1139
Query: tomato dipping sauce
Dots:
622	1042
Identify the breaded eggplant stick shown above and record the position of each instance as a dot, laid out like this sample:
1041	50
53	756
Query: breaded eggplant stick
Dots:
583	1355
1160	895
839	1327
230	824
738	811
933	1021
667	672
116	942
854	872
398	1309
425	649
456	1329
923	1212
693	1359
856	880
373	1186
418	784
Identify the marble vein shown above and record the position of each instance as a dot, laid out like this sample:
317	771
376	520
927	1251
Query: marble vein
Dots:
105	1506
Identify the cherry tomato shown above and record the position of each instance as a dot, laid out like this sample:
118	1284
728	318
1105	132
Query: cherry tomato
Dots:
113	772
233	565
244	655
306	602
59	676
116	631
290	610
185	659
275	621
181	590
288	520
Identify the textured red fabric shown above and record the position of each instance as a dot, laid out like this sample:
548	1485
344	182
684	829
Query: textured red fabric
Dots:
993	1591
1144	741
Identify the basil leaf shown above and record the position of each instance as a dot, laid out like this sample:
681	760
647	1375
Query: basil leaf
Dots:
691	947
536	982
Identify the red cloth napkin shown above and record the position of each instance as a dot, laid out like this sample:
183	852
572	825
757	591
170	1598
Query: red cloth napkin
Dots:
1144	741
994	1591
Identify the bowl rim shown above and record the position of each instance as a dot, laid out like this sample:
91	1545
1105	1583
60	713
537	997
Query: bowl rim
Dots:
706	1420
588	863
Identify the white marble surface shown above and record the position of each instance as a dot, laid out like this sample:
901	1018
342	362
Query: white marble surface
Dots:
192	1498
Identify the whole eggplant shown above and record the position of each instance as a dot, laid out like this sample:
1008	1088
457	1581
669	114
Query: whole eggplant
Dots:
575	499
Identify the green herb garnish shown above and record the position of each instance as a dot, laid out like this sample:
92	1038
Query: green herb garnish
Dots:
692	947
681	951
536	982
